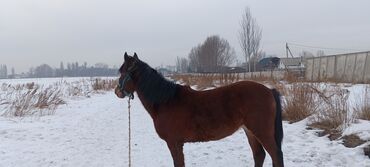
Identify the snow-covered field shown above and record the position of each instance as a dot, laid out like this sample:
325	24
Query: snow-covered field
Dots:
94	132
48	81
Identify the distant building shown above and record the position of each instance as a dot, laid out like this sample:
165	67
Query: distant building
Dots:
164	71
291	63
273	63
171	68
268	63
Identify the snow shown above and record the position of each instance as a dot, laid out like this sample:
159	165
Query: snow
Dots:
357	93
302	147
360	128
83	133
94	132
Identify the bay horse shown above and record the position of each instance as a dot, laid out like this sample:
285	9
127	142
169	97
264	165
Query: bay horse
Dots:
181	114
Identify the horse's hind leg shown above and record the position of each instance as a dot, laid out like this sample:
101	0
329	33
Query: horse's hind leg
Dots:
176	150
270	145
257	149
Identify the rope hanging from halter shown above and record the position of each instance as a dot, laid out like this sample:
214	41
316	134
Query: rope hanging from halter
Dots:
129	133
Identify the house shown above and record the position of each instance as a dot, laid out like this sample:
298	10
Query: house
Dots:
268	63
291	63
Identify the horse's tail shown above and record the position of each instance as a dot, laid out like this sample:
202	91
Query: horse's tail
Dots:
278	122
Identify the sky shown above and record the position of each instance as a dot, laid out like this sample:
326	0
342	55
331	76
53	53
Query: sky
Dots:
51	31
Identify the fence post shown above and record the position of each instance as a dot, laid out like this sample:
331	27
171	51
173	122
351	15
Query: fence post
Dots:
318	74
366	64
312	67
344	69
354	68
335	67
326	69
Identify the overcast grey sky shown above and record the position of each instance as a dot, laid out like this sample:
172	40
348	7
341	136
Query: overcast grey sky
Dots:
50	31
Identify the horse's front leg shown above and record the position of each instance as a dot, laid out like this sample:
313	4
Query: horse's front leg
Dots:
176	149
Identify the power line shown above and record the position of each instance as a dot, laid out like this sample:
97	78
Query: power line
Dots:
318	47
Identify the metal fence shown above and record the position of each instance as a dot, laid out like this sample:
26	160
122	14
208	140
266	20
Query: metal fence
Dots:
351	67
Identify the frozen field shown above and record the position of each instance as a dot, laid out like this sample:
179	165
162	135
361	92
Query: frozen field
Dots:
94	132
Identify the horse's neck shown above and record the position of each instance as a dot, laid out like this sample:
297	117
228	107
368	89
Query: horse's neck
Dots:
149	107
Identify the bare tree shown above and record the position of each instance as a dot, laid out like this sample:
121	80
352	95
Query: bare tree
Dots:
250	36
43	71
255	58
3	71
182	65
13	71
211	55
194	63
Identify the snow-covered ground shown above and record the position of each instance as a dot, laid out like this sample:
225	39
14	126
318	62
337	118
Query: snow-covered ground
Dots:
94	132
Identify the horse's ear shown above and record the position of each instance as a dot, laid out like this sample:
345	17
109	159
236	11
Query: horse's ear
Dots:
135	56
126	56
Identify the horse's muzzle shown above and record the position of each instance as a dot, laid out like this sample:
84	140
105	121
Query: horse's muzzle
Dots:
118	92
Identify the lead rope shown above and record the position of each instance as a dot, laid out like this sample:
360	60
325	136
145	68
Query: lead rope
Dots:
129	133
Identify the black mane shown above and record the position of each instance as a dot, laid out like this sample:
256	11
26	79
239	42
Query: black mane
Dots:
155	88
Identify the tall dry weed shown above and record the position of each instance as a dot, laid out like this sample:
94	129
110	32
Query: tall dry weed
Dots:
22	101
300	102
334	113
362	109
103	84
33	99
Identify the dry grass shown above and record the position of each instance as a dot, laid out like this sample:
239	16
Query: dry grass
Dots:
49	98
32	99
76	88
261	78
334	112
300	102
103	84
201	81
362	109
325	105
76	91
291	77
280	86
21	102
30	85
352	141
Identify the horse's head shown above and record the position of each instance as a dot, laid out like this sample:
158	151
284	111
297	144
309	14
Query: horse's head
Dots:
126	85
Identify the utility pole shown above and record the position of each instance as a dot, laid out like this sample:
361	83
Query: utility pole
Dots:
288	51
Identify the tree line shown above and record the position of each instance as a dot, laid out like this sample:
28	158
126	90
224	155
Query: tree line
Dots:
68	70
73	70
3	71
215	54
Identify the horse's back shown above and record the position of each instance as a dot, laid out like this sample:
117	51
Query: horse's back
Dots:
243	93
219	112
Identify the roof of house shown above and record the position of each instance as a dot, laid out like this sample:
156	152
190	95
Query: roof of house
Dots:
268	61
291	61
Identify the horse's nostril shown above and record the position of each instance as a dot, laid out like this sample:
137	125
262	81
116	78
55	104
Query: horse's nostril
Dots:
118	93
